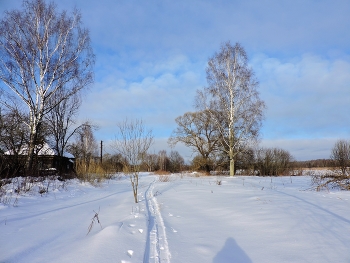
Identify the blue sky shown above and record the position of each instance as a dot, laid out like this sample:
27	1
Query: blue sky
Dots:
151	57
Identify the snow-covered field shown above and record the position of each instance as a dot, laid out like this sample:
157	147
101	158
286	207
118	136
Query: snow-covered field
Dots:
189	219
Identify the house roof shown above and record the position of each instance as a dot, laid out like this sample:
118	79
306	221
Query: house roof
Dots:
44	149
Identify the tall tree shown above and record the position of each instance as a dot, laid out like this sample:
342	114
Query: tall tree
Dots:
43	52
198	131
232	99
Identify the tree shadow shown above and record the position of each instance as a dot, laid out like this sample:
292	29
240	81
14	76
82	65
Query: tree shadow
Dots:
231	253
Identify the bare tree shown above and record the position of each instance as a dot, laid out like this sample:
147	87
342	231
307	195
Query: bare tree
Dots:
232	99
341	156
85	146
163	160
61	124
133	142
176	162
340	177
43	52
151	161
198	131
273	161
13	138
13	132
84	149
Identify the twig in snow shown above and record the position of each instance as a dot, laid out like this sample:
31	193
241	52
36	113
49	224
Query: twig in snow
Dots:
93	220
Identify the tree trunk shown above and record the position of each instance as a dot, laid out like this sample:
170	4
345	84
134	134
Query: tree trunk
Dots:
29	162
207	168
232	164
135	183
232	167
31	148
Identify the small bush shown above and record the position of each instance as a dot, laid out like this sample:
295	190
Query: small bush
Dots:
164	178
42	190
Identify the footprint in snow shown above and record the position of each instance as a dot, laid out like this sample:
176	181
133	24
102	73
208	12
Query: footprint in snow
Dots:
141	231
170	214
174	231
131	225
130	252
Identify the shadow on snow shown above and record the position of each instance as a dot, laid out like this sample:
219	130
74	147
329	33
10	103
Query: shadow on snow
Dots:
231	253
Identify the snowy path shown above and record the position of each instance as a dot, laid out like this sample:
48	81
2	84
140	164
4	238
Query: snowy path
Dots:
157	248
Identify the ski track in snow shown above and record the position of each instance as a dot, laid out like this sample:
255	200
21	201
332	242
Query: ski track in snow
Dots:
157	248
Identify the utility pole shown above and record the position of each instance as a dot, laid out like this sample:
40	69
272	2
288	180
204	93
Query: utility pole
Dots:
101	152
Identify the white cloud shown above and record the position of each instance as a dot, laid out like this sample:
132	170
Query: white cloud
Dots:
165	91
306	97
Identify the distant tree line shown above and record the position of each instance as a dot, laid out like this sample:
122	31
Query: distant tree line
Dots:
317	163
259	161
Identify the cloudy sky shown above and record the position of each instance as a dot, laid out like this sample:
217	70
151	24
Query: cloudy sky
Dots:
151	58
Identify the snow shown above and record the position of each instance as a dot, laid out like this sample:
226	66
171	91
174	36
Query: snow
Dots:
188	219
44	149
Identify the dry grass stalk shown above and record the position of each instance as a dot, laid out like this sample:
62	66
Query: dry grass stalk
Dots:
93	221
161	172
92	172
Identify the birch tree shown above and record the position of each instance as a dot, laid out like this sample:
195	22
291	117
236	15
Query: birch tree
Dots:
232	99
43	52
